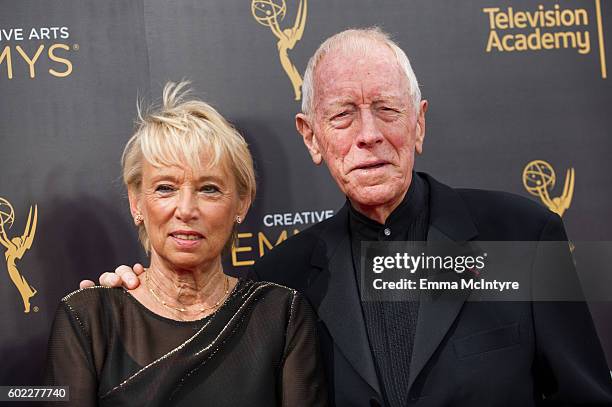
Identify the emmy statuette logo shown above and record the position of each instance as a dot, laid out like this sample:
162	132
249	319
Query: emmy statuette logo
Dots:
270	13
16	248
539	179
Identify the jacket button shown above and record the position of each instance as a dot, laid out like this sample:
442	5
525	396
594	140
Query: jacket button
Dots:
375	403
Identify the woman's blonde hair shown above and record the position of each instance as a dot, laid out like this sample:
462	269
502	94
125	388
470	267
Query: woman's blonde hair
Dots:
180	132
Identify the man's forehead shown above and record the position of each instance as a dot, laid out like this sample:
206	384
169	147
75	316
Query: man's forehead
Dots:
360	87
353	95
346	74
344	62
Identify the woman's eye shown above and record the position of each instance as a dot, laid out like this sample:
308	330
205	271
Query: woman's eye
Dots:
209	189
164	188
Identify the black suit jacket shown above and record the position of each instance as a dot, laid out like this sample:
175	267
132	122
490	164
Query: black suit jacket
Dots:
465	353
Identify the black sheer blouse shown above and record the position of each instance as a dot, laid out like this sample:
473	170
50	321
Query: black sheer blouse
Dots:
259	349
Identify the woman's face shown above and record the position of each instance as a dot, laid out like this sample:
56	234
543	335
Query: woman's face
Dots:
188	214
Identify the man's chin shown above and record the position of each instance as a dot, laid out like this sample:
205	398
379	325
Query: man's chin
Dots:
376	195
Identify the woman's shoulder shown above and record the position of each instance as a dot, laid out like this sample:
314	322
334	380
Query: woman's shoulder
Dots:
87	311
269	288
275	297
90	300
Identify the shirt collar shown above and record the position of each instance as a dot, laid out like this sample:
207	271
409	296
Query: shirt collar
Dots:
413	204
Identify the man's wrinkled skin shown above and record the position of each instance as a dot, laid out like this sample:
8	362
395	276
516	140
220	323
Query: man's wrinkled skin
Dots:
365	128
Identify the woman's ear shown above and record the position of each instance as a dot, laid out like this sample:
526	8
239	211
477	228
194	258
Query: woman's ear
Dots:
243	207
134	198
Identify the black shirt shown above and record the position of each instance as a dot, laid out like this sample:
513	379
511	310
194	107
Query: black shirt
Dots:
391	324
258	349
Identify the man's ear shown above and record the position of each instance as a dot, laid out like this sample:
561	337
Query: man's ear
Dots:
305	128
420	130
134	198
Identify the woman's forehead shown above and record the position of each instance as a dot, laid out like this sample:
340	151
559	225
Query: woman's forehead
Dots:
204	169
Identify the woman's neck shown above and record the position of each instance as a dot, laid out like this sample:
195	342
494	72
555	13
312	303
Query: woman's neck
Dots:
199	287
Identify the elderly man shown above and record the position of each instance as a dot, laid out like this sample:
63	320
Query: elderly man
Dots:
362	115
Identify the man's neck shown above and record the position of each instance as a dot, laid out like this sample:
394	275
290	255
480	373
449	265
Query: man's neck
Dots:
379	213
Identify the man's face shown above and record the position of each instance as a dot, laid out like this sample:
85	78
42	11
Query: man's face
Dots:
364	125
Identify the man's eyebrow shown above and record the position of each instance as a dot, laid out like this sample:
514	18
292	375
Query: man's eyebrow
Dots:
338	102
384	97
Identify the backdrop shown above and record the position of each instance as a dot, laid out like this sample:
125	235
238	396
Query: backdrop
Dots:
519	101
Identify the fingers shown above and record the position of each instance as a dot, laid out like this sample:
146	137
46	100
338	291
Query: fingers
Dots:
127	277
86	284
109	279
138	269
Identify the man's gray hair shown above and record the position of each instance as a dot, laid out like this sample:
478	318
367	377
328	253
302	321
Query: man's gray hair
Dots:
357	39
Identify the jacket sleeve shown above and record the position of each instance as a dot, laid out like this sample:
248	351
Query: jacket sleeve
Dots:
570	366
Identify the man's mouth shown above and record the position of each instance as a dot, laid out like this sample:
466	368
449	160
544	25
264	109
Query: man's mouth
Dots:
371	165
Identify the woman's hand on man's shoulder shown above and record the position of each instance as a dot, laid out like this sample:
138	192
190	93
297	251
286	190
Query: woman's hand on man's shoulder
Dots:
122	276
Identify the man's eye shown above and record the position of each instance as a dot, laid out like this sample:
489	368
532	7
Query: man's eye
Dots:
341	115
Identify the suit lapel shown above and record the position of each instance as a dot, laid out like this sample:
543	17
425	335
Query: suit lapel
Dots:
451	223
336	297
333	290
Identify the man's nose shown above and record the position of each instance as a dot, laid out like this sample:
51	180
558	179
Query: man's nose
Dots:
369	134
187	207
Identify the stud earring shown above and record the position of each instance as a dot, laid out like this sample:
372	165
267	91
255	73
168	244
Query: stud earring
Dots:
238	220
138	219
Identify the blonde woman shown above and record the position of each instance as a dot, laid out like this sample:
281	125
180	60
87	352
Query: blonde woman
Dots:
189	334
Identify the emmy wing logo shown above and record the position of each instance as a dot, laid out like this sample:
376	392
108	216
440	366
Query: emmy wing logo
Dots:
539	179
270	13
16	248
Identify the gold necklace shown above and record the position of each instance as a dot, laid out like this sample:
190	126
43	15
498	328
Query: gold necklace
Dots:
182	309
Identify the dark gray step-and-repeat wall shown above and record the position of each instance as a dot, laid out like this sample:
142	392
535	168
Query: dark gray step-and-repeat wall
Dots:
518	92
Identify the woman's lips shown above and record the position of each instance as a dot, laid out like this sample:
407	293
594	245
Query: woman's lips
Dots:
186	238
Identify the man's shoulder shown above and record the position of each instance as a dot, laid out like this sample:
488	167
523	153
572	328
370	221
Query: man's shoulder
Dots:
292	258
495	215
500	215
305	241
511	204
